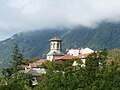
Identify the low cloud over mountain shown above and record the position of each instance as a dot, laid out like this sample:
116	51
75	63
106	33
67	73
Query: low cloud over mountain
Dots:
23	15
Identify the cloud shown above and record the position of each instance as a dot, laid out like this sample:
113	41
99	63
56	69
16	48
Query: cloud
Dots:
23	15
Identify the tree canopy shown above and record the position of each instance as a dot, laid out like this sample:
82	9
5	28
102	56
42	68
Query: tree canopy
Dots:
99	73
96	75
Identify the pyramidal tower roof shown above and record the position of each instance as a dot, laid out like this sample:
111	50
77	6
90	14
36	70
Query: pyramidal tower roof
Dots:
55	39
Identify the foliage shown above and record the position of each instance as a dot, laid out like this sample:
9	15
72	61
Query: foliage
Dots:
96	75
34	59
114	53
20	81
12	79
7	72
16	59
25	61
15	64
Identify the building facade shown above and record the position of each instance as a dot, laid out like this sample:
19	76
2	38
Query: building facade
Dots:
55	49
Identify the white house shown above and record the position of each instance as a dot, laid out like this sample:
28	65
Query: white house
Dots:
74	52
86	51
77	52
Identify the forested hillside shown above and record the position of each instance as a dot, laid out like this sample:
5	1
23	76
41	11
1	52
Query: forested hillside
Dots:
36	43
32	44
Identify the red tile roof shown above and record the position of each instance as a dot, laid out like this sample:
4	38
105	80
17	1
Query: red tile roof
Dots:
66	57
69	57
83	56
37	63
55	38
32	65
41	60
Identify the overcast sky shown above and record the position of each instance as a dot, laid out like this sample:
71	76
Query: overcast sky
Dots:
25	15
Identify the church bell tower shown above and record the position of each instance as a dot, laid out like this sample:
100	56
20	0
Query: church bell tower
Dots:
55	49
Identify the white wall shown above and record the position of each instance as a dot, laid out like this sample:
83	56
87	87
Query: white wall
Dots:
86	51
54	46
74	52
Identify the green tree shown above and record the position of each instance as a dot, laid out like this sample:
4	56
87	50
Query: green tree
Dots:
25	61
17	58
35	59
12	79
15	63
19	82
96	75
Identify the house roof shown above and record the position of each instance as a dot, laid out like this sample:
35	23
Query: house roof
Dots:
83	56
66	57
55	38
32	64
34	73
41	61
38	63
86	51
58	53
69	57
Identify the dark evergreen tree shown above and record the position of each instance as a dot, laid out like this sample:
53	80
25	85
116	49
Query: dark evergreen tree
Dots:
15	63
17	58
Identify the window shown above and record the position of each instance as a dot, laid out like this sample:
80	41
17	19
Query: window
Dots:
58	45
53	45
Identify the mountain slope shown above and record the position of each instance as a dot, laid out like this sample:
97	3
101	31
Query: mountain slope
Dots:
32	44
36	43
106	35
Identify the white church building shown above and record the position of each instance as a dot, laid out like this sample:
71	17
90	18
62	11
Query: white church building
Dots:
55	49
56	53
